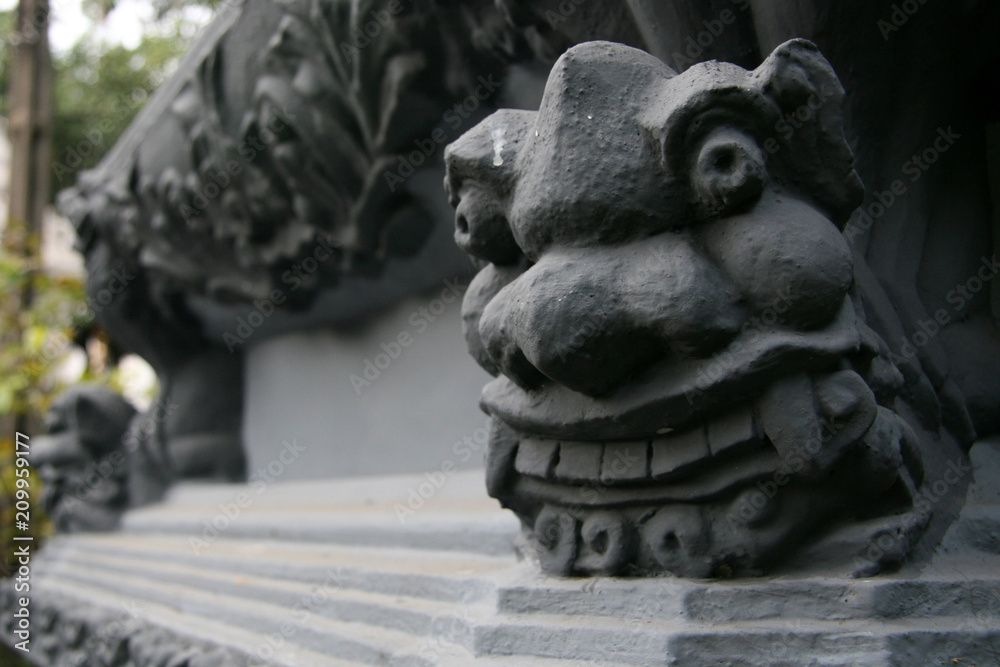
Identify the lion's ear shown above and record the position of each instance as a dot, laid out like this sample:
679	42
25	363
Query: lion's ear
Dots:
796	74
803	85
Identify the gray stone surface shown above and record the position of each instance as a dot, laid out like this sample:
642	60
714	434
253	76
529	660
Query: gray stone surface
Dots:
356	410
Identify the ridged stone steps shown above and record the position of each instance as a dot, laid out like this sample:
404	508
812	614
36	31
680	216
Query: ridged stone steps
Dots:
234	644
431	512
413	616
273	623
572	636
442	576
445	594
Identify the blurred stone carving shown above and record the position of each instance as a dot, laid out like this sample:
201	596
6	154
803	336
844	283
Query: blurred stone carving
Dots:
686	382
271	166
82	460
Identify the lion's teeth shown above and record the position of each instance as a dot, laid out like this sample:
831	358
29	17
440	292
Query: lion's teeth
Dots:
619	461
732	430
579	461
625	461
678	451
536	457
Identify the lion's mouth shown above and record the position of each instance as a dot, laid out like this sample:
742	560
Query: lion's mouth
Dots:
804	422
674	395
728	487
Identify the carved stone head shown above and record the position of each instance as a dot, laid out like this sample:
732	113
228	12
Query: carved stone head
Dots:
685	380
81	459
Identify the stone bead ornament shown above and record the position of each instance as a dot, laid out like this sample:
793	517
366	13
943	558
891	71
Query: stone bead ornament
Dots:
685	382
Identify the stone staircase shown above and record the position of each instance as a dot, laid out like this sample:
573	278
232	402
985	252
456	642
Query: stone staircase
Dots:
328	574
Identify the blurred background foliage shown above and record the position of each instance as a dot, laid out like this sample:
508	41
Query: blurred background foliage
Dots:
99	86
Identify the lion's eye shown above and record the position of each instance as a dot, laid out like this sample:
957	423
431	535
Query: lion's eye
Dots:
728	174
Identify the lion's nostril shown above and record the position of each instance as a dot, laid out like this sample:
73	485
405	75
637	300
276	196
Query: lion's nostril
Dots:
482	228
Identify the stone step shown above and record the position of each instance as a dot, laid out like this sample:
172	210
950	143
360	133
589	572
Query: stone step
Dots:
696	651
196	613
272	623
961	592
494	537
760	644
447	577
442	625
363	626
926	643
552	639
417	573
638	600
435	511
415	616
135	619
469	626
580	638
712	602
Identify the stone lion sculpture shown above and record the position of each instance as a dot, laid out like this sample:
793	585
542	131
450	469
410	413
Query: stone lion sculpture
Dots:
686	382
82	459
